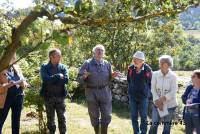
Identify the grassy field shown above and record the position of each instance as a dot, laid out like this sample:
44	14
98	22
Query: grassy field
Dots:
79	123
195	33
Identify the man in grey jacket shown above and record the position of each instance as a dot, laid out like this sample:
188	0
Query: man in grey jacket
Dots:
96	74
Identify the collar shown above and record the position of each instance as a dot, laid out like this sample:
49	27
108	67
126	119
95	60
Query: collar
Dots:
94	61
50	65
160	74
141	68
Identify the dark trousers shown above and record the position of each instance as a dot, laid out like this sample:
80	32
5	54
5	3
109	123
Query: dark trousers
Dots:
15	104
139	107
56	104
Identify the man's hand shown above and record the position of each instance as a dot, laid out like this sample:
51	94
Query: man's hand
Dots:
115	73
85	74
61	76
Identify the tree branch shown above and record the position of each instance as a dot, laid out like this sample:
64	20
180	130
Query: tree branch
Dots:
129	19
18	32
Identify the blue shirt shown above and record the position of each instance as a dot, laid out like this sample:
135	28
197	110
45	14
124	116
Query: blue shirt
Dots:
187	93
50	76
193	94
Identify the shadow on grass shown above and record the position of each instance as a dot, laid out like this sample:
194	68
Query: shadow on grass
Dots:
119	109
33	132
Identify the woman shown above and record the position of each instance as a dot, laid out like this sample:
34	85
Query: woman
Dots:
191	98
163	87
13	84
4	85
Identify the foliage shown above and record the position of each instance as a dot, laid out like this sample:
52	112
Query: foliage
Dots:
154	37
123	26
189	58
15	23
30	68
73	84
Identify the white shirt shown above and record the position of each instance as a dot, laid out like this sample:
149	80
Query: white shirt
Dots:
165	85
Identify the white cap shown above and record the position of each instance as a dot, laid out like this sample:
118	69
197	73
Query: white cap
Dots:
139	55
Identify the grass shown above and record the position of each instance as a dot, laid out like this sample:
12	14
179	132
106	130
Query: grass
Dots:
195	33
78	121
184	73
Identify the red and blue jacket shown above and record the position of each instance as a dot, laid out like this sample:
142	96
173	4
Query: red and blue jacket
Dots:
139	83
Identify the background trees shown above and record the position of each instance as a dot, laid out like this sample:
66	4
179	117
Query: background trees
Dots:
122	25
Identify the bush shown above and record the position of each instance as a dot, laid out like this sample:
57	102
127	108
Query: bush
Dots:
73	84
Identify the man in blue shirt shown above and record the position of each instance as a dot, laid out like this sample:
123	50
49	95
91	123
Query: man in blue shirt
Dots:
54	77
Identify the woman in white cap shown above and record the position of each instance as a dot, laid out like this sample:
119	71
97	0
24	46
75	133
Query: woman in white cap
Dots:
164	88
139	79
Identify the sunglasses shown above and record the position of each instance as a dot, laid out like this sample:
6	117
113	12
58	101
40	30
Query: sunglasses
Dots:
193	76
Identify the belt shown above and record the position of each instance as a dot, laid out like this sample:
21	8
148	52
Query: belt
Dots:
97	87
192	109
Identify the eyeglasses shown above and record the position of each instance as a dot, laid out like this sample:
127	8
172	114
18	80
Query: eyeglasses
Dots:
193	76
98	49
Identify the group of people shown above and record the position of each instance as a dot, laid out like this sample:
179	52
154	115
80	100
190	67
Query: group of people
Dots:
162	87
95	74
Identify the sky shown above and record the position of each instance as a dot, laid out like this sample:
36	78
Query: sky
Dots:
18	3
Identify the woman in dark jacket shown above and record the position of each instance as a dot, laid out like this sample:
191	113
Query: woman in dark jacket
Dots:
191	99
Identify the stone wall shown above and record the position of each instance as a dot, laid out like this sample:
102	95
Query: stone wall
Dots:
119	87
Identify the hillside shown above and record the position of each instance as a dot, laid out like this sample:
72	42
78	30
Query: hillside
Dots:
191	19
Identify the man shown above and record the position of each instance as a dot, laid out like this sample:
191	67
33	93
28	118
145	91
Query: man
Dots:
54	77
96	74
139	79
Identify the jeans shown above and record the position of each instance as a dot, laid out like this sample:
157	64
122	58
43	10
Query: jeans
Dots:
192	121
15	104
166	120
139	106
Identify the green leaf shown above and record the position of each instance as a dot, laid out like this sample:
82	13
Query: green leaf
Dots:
45	46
